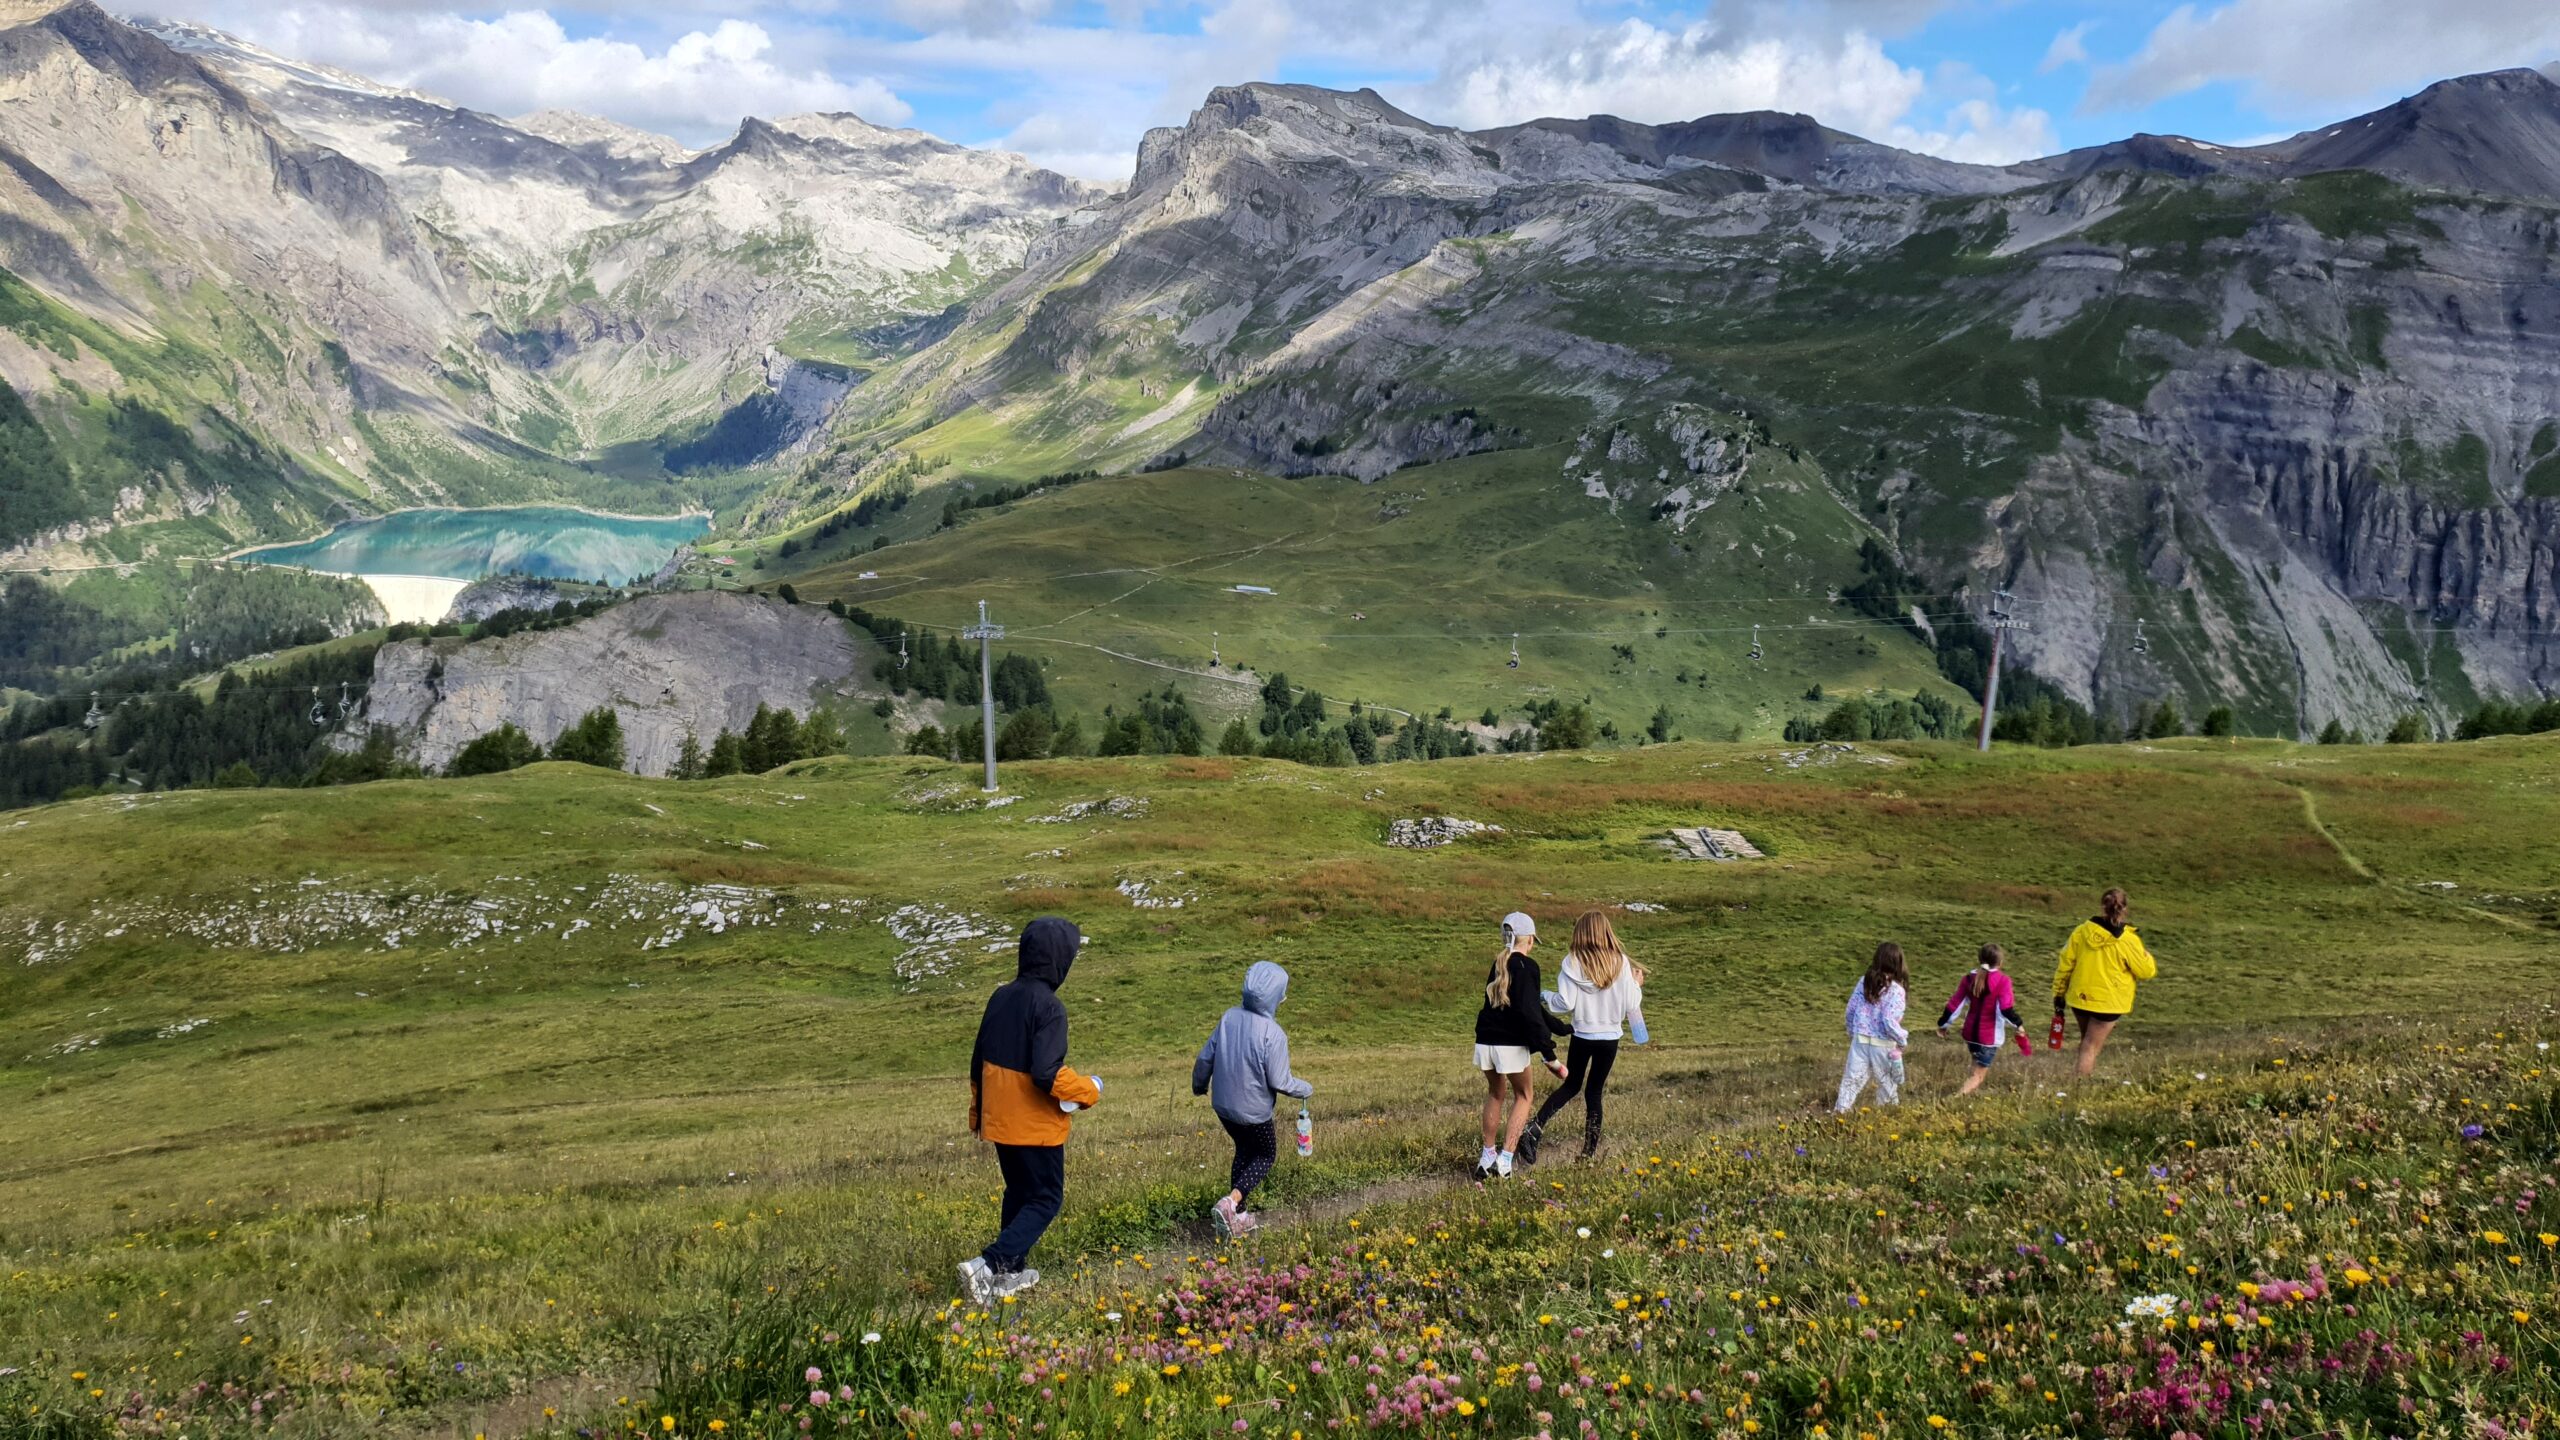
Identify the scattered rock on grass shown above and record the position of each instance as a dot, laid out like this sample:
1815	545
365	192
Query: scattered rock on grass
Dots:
1433	831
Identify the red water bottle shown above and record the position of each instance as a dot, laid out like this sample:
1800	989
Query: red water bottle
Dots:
2053	1039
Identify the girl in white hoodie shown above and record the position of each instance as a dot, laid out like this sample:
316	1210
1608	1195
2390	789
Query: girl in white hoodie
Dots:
1603	991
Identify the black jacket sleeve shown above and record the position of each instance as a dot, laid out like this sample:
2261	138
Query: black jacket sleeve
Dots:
1048	1040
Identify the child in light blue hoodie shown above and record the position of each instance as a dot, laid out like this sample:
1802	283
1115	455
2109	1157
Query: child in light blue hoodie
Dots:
1243	1070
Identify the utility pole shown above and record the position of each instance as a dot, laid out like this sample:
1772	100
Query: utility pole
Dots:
2001	625
986	634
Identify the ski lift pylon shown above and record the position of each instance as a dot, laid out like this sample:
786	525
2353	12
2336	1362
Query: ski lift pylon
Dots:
902	649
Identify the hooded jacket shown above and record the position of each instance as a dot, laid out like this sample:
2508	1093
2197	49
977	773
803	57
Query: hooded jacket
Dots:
1244	1068
2099	966
1018	1071
1600	1012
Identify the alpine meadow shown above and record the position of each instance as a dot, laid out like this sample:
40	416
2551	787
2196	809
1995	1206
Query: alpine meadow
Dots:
676	764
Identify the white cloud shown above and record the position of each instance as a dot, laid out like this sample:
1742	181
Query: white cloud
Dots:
2069	47
2297	55
1640	71
697	86
1073	86
1981	133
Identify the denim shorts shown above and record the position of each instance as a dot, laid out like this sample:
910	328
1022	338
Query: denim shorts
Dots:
1983	1054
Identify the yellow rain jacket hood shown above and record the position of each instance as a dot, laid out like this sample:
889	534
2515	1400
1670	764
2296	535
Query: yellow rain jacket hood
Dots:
2099	967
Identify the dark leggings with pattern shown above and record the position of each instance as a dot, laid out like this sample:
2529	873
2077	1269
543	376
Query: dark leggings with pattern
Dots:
1257	1146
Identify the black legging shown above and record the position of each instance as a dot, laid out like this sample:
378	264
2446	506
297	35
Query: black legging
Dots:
1589	1062
1257	1145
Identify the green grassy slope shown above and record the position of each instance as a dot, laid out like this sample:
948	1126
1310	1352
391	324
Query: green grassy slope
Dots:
411	1060
1112	580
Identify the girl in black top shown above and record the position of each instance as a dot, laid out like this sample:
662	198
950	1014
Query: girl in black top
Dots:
1510	1028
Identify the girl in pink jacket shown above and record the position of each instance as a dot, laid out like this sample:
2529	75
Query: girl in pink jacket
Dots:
1989	1004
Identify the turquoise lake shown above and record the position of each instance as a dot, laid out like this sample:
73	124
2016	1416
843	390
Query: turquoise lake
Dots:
552	542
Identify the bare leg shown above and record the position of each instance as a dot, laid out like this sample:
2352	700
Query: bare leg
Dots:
1521	1086
2093	1038
1974	1081
1492	1110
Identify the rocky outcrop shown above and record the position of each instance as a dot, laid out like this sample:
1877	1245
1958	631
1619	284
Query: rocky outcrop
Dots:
699	662
2300	427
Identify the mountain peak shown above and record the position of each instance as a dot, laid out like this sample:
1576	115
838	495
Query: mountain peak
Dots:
579	131
2497	133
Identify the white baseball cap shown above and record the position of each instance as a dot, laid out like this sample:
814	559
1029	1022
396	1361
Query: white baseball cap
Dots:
1518	924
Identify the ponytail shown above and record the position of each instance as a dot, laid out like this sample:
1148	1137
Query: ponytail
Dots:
1497	990
1987	960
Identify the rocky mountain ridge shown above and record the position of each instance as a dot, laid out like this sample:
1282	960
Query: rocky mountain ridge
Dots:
2289	407
391	299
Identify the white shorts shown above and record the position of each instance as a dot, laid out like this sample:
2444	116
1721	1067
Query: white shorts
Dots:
1502	1059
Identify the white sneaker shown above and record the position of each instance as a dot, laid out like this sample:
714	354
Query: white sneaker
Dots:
1243	1224
1502	1165
1014	1284
978	1279
1484	1162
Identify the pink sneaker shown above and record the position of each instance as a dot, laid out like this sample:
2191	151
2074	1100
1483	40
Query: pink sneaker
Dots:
1242	1223
1227	1217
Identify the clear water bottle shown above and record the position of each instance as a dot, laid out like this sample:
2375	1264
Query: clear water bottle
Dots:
1306	1133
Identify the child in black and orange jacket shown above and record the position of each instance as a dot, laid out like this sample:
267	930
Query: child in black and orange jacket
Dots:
1020	1093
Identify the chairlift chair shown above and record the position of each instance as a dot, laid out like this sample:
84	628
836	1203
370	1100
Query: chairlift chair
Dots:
1755	643
2141	643
96	716
1515	650
319	716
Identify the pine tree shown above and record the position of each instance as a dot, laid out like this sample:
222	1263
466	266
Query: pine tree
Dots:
502	749
727	757
689	758
595	740
1238	739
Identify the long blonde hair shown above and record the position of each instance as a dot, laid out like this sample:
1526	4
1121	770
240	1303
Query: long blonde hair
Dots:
1497	990
1595	948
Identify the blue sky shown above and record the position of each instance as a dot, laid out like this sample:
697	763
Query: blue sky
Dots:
1074	83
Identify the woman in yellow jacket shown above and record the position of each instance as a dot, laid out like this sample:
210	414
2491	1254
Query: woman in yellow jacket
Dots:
2100	963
